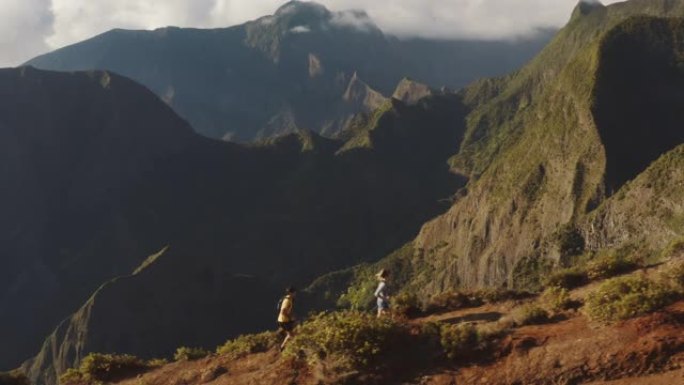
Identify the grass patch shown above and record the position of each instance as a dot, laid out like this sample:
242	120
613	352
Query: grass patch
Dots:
609	264
569	278
406	305
354	339
188	354
463	341
98	367
248	344
675	248
556	299
14	377
627	297
674	275
530	314
456	300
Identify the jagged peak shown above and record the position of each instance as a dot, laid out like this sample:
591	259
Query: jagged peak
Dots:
410	91
304	16
585	7
359	91
300	7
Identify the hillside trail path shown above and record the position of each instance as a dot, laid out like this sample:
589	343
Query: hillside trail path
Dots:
570	350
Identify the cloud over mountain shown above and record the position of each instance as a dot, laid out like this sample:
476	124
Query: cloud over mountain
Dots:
32	26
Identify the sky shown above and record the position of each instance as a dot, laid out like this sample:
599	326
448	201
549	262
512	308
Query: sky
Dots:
32	27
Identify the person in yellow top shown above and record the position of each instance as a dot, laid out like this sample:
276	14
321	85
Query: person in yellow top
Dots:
286	315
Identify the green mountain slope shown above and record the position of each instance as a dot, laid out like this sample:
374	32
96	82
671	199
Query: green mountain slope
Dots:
548	145
285	71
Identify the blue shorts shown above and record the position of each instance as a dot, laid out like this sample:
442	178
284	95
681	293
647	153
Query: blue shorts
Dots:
383	304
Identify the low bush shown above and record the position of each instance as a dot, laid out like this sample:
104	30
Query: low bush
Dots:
455	300
459	341
530	314
188	354
462	341
674	249
70	376
406	304
674	274
499	295
556	299
248	344
567	278
104	368
157	362
451	300
355	339
610	264
627	297
13	378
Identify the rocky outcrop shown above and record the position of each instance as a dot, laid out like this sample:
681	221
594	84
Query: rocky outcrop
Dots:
362	95
410	92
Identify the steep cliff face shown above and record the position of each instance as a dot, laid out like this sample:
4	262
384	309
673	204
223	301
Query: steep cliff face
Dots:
569	136
72	146
545	146
647	212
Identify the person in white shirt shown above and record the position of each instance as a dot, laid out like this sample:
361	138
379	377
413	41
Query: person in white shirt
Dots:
382	293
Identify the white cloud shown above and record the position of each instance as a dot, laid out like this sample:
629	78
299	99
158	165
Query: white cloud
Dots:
300	29
353	19
24	25
27	27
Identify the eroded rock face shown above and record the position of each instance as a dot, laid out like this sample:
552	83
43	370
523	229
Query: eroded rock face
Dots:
546	150
648	212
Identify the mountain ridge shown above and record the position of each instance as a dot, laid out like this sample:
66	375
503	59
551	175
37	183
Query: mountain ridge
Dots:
282	72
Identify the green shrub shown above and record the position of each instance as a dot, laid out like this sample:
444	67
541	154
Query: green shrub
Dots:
460	340
529	314
610	264
528	272
675	248
356	339
567	278
70	376
627	297
430	329
188	354
452	300
498	295
556	299
248	344
570	242
14	377
674	273
157	362
104	368
406	304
